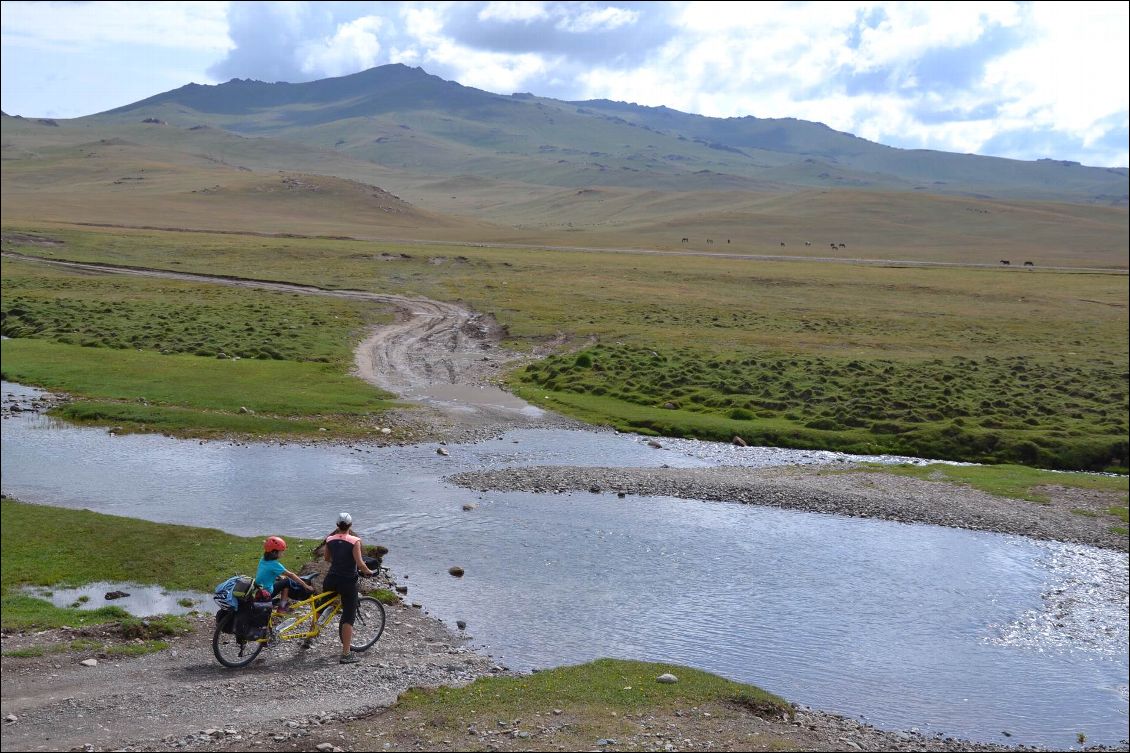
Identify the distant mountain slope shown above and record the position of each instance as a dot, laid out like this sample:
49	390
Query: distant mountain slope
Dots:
405	118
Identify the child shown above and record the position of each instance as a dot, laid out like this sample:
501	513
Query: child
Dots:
271	570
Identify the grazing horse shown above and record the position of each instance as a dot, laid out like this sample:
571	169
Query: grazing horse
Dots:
832	246
686	240
709	242
1005	262
843	245
808	243
1029	264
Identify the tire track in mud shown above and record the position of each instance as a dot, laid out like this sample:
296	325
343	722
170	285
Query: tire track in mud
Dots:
437	353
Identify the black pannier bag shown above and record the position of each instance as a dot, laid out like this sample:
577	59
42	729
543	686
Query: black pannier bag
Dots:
252	618
225	618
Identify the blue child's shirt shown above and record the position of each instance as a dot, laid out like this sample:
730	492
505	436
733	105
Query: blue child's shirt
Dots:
267	572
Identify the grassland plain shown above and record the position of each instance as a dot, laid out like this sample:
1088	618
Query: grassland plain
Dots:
968	364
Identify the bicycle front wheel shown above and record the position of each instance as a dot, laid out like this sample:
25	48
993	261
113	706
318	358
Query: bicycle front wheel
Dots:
233	652
369	624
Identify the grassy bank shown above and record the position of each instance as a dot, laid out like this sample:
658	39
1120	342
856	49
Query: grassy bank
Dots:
573	707
57	547
976	364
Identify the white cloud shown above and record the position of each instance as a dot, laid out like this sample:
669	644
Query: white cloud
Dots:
910	29
597	19
354	46
513	11
1074	70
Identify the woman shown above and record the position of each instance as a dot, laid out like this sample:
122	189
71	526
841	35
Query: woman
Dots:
343	552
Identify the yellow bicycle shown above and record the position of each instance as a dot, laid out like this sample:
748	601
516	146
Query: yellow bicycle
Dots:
304	621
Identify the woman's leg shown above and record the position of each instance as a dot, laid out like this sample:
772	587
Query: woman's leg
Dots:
348	593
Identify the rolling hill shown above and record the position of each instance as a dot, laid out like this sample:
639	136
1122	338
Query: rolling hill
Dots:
393	152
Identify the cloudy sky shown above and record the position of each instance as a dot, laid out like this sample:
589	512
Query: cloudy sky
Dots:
1022	80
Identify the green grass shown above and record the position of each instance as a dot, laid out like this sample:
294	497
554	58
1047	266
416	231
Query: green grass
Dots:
87	646
598	687
50	546
385	596
573	707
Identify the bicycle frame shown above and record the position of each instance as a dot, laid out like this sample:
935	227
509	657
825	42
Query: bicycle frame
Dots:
322	608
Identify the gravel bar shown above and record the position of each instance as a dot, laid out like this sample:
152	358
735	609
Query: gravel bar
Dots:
822	490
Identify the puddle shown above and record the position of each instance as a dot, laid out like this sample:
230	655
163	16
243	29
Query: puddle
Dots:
142	601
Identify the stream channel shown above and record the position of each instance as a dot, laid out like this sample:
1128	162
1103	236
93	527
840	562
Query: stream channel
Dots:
904	626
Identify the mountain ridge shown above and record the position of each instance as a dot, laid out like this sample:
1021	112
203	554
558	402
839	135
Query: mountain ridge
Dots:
376	115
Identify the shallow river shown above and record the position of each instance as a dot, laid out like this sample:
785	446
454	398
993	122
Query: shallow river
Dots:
906	626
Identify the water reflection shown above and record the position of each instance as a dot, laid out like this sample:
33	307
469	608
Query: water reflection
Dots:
140	601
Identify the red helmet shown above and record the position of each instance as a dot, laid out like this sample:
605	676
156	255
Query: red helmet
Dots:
274	544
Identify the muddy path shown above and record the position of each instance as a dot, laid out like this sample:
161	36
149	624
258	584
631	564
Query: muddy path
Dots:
439	355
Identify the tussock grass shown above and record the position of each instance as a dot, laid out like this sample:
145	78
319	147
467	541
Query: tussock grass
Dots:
989	409
168	316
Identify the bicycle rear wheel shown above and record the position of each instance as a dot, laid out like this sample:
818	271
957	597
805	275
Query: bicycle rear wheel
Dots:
233	652
369	624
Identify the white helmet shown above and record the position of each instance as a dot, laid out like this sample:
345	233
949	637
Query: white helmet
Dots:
345	518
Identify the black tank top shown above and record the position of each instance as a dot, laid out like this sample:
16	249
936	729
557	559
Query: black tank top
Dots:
341	554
